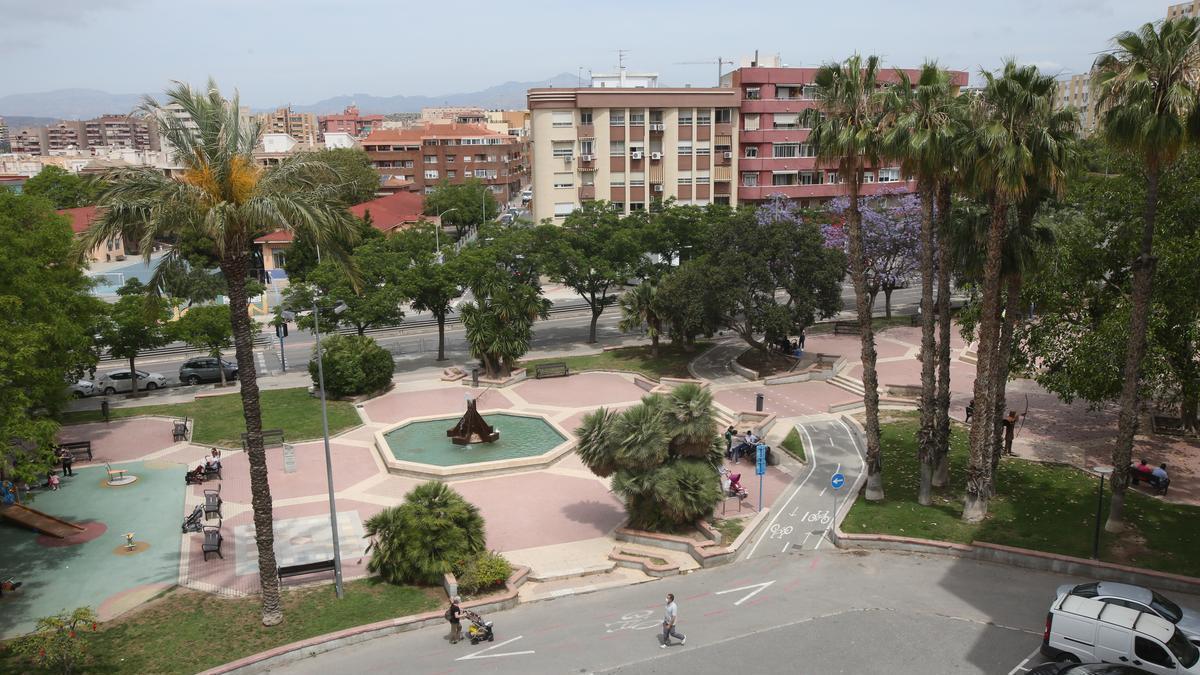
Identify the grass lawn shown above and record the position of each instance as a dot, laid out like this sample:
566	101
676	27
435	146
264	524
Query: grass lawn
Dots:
218	420
878	324
729	528
671	360
794	445
1037	506
186	631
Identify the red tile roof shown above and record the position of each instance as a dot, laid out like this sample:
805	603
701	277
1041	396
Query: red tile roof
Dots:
276	237
392	211
81	218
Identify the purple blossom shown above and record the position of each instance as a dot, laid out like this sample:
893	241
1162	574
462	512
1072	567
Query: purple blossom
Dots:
891	226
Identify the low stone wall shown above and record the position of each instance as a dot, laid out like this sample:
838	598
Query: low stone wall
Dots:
642	562
518	375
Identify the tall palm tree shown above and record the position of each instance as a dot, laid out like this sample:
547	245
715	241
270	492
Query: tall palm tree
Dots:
846	132
639	308
1016	146
1148	84
922	132
224	199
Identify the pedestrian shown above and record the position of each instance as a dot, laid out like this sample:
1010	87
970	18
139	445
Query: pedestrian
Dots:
669	618
1010	422
970	411
801	341
67	459
729	432
452	616
53	481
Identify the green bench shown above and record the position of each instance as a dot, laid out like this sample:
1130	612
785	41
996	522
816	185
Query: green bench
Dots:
555	369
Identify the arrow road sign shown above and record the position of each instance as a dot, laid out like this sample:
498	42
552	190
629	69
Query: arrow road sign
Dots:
758	588
482	654
837	481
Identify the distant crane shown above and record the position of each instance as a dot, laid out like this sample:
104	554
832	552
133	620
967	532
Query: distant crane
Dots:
719	63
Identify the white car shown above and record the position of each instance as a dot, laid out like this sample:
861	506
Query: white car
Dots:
1141	599
118	381
81	388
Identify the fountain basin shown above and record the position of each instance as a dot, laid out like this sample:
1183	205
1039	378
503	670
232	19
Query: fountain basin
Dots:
419	446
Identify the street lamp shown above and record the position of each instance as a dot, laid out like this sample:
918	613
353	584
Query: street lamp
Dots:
437	240
337	548
1102	471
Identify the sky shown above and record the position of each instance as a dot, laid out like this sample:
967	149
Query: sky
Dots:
300	51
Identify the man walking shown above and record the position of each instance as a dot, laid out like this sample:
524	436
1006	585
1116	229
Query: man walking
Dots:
669	618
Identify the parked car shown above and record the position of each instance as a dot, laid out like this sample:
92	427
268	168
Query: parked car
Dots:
1140	598
81	388
1056	668
118	381
1084	630
204	369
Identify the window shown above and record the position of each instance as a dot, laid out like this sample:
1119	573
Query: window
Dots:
452	174
685	116
450	158
808	150
637	179
724	116
832	178
685	147
585	147
783	178
750	122
562	118
753	93
279	258
563	208
637	146
785	150
637	119
617	180
563	149
431	159
751	151
637	206
585	116
616	118
787	121
810	177
564	180
1148	650
808	92
787	93
868	177
702	147
431	174
428	190
619	207
750	179
702	178
616	148
890	175
685	177
467	158
703	116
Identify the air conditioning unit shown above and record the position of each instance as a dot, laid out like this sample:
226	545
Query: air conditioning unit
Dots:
729	155
658	187
586	158
656	156
656	126
635	155
568	159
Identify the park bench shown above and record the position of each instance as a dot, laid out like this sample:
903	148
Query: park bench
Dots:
846	328
78	449
271	438
212	541
285	571
212	503
179	431
213	471
555	369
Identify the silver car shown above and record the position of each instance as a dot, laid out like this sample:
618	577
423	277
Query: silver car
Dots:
118	381
1140	598
81	388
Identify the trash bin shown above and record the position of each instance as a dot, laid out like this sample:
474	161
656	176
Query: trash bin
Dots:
758	402
104	409
474	377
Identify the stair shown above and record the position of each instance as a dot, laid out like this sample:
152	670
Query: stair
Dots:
847	383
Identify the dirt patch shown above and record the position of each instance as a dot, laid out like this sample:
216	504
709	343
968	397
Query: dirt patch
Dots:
1129	549
767	363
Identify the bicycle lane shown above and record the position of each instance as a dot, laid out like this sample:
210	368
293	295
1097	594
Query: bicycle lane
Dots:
804	518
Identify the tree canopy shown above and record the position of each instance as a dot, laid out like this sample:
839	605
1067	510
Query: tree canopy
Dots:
65	190
464	205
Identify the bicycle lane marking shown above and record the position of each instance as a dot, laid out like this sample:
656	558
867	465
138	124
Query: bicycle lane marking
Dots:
786	503
847	500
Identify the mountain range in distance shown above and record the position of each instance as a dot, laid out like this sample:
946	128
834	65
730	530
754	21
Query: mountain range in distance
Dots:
19	109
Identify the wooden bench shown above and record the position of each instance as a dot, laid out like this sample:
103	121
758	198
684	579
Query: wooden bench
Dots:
78	449
285	571
555	369
271	438
846	328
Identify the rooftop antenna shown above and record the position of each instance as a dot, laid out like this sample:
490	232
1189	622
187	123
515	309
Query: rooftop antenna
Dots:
579	77
719	61
621	58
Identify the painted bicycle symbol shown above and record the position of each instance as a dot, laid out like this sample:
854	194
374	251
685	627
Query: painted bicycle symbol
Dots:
779	532
639	620
821	517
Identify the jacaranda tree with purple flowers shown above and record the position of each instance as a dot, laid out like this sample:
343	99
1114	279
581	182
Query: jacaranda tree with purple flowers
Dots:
891	240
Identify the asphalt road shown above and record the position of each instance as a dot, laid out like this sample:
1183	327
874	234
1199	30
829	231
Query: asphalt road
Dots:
824	611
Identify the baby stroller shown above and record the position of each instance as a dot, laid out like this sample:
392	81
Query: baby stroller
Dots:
479	630
732	484
194	522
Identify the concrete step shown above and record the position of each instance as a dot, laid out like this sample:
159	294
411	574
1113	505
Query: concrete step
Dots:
849	384
585	571
620	576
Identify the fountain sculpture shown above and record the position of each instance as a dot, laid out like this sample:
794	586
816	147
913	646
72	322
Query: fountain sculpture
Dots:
472	428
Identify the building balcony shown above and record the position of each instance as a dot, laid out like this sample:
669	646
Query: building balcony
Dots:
774	136
777	164
587	192
772	105
823	191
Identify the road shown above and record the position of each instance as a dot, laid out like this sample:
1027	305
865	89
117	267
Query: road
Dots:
824	611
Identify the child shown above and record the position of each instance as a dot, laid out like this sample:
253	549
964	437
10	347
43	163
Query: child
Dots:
53	481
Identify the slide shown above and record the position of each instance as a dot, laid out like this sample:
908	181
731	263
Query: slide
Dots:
41	522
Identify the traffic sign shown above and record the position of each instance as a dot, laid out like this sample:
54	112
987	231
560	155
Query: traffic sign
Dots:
837	481
760	462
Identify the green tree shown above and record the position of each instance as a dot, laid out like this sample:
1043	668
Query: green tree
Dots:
594	252
206	327
662	455
422	539
359	179
432	284
499	321
59	642
223	196
639	308
136	322
463	205
47	321
65	190
304	255
687	300
846	131
372	290
1148	84
188	281
353	364
676	234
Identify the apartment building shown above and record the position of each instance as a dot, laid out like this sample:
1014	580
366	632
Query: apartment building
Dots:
632	146
30	141
1076	91
121	131
451	114
350	121
1183	9
301	126
422	157
774	155
3	135
66	134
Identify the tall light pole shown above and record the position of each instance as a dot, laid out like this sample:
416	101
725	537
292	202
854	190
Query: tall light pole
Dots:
437	239
333	527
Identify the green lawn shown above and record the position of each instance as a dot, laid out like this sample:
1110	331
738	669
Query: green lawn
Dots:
187	631
794	445
671	360
218	419
878	324
1038	506
729	528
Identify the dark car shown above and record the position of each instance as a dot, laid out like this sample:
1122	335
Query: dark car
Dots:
1058	668
204	369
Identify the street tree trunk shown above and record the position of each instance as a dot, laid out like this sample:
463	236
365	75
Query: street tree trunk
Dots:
887	302
221	367
441	323
234	269
979	474
926	435
1135	351
133	379
1003	359
596	311
941	462
862	301
654	342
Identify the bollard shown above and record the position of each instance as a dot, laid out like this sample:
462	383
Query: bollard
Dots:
104	409
474	377
758	402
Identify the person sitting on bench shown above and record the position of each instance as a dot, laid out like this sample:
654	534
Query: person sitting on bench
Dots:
1141	472
742	445
1159	478
194	476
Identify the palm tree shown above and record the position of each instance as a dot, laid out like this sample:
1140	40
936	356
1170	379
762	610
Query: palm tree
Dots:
923	131
499	323
428	535
1148	84
224	200
691	420
847	133
639	308
1018	144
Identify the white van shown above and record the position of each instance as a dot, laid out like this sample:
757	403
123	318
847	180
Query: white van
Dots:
1084	630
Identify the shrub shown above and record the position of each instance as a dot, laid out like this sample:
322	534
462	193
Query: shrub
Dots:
484	572
59	642
354	364
420	540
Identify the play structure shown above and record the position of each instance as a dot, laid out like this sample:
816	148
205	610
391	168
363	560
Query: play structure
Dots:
472	428
38	521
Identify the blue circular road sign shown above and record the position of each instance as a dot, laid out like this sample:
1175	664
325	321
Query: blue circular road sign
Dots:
837	481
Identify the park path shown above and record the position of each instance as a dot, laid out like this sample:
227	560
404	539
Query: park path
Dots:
714	364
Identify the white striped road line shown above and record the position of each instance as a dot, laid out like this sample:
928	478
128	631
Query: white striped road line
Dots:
1020	667
783	508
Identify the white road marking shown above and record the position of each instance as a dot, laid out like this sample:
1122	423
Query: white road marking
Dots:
1020	667
481	654
758	588
789	499
786	547
823	491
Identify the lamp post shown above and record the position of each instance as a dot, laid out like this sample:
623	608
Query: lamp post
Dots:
1102	471
333	527
437	231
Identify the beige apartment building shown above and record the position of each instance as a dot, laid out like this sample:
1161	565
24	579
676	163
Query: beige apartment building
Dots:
631	147
301	126
1191	9
1076	91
